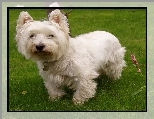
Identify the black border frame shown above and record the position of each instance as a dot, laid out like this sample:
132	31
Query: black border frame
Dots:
9	8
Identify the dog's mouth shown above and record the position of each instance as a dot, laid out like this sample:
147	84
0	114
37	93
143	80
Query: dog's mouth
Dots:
37	52
44	55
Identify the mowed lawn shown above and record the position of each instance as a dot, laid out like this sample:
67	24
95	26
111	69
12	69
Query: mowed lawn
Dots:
28	93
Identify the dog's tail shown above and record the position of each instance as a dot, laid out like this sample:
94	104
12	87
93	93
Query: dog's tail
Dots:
116	64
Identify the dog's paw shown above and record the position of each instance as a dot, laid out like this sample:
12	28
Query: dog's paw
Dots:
56	97
79	101
52	99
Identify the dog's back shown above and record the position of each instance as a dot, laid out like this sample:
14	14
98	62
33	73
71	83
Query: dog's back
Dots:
103	49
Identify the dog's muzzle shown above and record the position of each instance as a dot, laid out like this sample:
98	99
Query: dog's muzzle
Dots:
41	49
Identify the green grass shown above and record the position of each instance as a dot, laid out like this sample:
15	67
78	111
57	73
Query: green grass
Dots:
28	93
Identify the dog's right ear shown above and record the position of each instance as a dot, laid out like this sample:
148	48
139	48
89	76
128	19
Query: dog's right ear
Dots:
24	17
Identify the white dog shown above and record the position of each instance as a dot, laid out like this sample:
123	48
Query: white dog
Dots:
63	60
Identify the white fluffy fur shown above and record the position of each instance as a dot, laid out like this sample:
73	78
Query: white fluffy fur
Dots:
74	62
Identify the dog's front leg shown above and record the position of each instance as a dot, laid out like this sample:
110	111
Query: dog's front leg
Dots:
53	86
85	89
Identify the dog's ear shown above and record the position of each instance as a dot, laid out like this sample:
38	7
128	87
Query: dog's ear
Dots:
24	17
56	17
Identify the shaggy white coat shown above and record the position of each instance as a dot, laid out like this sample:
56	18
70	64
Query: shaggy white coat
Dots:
74	62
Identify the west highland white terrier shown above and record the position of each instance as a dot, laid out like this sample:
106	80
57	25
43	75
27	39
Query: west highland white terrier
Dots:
62	60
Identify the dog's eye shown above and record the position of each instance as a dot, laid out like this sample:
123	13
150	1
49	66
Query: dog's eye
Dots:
50	36
32	36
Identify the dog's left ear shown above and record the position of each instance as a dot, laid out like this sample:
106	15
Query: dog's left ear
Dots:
56	17
24	17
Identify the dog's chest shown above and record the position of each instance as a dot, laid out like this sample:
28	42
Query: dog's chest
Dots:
64	68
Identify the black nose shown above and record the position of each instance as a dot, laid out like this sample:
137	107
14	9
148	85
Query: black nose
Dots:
40	47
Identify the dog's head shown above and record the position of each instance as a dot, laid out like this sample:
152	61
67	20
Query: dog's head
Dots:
42	40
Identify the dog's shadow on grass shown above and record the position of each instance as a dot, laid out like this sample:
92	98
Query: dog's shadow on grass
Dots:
104	82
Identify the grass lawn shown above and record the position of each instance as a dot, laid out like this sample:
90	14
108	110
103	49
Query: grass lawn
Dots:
28	93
